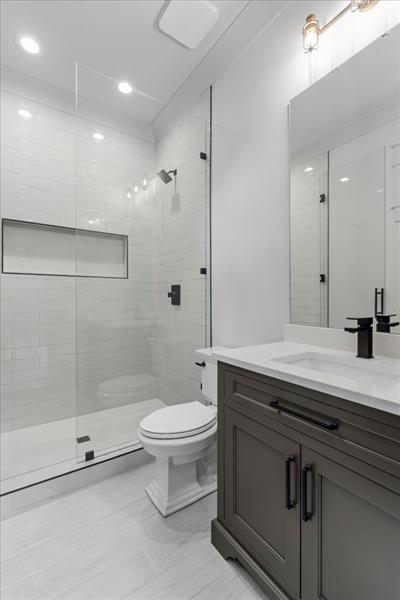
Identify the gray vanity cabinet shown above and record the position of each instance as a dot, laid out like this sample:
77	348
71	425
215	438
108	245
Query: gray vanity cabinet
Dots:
261	483
350	534
308	490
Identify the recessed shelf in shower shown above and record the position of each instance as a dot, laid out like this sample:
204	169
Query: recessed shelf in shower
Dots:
41	249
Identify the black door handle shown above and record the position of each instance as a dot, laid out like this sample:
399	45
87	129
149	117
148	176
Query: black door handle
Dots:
288	501
324	422
201	364
307	514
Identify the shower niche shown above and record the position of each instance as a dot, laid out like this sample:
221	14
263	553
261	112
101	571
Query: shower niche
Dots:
38	249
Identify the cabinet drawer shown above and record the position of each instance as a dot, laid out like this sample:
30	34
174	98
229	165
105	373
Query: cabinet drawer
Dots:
369	434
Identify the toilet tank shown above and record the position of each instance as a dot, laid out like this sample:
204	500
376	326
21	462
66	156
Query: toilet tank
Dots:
209	373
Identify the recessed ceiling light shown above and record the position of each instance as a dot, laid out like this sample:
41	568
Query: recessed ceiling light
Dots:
344	179
308	169
28	44
25	114
125	87
98	136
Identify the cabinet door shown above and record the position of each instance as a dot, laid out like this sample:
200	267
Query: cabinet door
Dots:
261	495
350	534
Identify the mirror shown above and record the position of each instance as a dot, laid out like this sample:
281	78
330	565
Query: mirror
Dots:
345	191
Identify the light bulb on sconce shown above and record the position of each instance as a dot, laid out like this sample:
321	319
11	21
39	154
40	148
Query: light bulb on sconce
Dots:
136	189
312	29
363	5
145	183
129	194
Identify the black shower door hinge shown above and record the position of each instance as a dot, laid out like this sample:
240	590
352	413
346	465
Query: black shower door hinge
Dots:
203	156
89	455
322	198
203	271
322	278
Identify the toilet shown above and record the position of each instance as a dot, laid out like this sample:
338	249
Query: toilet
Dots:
182	437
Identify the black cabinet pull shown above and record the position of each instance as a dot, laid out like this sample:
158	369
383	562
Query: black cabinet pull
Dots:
200	364
324	422
307	515
288	461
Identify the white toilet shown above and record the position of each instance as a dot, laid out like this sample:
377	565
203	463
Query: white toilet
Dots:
183	440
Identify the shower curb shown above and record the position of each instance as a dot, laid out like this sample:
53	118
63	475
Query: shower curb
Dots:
20	500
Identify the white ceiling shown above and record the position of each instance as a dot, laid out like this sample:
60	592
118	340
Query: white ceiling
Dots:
117	39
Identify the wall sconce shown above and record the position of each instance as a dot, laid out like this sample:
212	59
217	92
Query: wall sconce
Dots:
311	32
312	29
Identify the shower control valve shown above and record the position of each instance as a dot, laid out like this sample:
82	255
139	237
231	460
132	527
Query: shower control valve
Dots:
175	294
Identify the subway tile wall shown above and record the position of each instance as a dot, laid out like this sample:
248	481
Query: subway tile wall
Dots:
308	242
62	337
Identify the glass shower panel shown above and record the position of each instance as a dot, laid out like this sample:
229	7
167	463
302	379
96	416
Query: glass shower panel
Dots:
121	297
37	283
183	254
356	227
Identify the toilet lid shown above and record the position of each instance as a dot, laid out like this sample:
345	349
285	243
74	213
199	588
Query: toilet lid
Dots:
178	421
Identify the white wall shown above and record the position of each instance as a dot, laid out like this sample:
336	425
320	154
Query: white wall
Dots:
250	197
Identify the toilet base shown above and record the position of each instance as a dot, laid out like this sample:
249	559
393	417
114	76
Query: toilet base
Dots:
177	486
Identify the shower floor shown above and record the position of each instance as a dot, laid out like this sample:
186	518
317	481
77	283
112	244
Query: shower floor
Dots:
37	453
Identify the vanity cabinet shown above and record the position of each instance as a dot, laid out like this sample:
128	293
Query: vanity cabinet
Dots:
309	490
261	474
350	534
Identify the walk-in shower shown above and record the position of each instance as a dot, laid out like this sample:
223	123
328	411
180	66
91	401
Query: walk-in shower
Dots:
90	340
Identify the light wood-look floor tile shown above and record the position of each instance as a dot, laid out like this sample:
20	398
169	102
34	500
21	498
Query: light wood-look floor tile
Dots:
108	542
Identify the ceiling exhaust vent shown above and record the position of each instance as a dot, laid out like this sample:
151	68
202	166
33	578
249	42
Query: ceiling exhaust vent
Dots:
188	21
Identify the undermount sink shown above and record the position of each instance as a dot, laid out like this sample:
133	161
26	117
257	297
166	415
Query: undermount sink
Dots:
341	367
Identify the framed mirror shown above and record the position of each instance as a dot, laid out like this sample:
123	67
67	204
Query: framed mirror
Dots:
345	191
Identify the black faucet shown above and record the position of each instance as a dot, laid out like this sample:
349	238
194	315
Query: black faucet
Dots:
383	323
364	335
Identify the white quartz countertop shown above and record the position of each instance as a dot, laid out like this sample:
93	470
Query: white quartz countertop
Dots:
380	392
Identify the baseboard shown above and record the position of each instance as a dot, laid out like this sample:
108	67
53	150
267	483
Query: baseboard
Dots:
23	499
228	547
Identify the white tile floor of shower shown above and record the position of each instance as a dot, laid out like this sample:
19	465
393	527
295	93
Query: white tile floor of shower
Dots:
108	542
37	453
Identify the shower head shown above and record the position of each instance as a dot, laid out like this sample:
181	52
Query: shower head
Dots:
166	177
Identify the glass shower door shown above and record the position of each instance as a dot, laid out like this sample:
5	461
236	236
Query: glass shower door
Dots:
129	228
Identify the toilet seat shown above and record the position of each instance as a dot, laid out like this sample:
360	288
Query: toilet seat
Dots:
179	421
